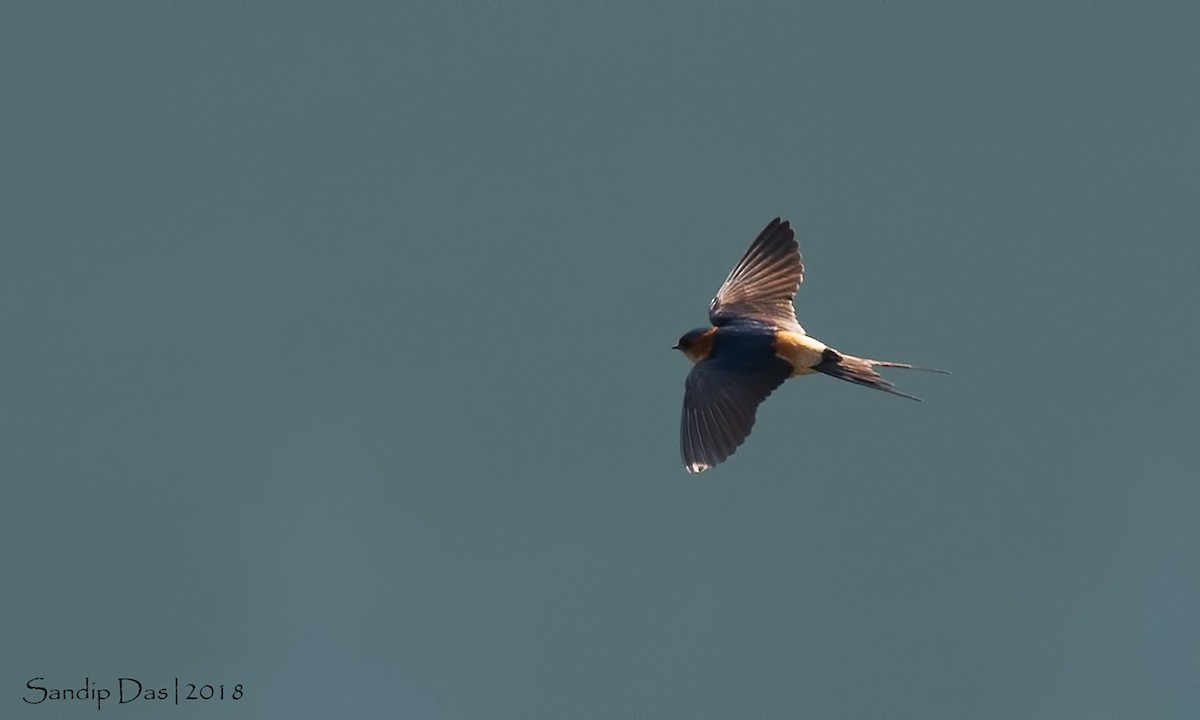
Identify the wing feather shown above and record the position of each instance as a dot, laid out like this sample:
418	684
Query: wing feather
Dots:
720	401
764	282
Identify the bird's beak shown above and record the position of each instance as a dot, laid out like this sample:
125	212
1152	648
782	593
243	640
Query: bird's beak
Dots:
675	346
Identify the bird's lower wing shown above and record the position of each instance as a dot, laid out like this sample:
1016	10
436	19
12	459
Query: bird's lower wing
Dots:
719	404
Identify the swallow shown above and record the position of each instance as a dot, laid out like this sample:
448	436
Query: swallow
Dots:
755	343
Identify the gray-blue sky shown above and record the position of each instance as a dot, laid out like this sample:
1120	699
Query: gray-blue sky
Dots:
338	364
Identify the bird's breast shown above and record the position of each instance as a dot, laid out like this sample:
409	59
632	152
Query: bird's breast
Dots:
803	352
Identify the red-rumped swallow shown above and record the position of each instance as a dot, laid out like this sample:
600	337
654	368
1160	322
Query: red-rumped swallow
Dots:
754	345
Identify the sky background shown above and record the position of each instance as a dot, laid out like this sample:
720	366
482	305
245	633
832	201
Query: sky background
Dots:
336	359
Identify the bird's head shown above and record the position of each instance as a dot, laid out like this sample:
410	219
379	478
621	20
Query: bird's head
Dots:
696	344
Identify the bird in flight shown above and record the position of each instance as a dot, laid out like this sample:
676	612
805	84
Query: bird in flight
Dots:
754	345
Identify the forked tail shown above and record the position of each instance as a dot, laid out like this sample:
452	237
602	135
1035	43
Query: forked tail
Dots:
861	371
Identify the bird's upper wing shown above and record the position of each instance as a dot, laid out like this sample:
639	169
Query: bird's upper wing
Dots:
764	282
719	402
